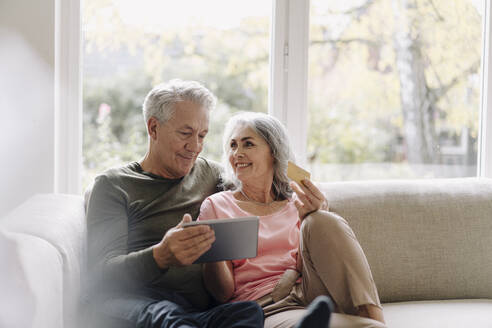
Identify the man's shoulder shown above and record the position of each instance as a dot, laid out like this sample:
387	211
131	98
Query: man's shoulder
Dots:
117	172
209	164
206	168
114	176
106	185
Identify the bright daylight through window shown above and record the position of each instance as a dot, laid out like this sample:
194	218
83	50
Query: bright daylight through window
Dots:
129	46
394	88
393	85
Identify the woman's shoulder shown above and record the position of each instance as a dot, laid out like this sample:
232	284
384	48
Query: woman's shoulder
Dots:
219	205
221	197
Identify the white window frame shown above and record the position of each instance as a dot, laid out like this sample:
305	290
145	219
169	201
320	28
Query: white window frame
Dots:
68	97
484	162
287	95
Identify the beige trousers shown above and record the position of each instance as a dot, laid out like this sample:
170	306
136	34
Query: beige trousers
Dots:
334	264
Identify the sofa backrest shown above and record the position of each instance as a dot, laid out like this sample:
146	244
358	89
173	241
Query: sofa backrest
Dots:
424	239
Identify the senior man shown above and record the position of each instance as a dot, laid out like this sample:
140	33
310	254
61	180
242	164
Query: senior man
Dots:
140	258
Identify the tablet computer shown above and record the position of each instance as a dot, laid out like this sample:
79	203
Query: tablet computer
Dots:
235	239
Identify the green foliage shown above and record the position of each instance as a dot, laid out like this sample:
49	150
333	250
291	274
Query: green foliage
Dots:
232	63
120	136
355	113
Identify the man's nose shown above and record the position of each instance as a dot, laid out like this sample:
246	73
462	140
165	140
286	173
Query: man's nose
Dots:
194	144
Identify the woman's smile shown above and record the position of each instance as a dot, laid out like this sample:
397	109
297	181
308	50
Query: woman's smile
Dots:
242	165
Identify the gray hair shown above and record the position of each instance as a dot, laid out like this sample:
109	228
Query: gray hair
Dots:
161	100
275	135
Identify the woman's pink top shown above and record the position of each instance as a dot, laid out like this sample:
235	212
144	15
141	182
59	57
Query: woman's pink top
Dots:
278	244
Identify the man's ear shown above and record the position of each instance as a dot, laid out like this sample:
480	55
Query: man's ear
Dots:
152	126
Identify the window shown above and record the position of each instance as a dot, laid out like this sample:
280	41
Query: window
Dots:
363	97
394	88
129	46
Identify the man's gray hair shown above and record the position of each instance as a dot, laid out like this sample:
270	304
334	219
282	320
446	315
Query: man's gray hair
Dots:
161	100
275	135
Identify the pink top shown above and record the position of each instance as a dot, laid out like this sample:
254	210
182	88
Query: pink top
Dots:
278	244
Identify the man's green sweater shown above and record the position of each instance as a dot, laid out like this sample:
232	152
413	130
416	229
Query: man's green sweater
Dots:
128	212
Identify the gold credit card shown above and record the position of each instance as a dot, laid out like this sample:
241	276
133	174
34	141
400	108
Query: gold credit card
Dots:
297	173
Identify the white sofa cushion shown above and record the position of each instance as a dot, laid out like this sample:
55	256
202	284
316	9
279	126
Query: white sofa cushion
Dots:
16	297
31	285
439	314
58	219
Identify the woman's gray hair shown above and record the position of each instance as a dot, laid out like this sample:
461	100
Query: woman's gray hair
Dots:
275	135
161	100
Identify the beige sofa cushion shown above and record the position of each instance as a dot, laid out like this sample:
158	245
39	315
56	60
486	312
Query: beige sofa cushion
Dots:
288	319
424	240
439	314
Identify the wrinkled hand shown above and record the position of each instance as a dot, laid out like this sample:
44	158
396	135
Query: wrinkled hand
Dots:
182	246
309	198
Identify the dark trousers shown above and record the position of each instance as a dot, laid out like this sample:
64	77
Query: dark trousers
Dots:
148	311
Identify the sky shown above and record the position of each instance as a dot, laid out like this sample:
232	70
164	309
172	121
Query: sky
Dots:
161	14
158	15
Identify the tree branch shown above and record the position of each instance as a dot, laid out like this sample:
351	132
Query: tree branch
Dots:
439	16
438	93
355	10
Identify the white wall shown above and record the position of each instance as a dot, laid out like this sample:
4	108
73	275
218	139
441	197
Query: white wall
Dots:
27	64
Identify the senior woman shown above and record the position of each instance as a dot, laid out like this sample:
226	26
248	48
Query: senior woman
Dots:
304	251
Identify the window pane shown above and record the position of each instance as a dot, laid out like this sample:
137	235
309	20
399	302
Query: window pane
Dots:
129	46
394	88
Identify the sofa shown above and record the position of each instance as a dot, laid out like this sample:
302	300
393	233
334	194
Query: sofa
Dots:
45	239
429	245
428	242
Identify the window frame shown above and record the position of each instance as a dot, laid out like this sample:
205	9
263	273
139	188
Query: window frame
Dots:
289	70
68	97
287	92
484	163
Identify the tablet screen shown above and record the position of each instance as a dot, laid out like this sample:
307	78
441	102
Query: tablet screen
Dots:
235	239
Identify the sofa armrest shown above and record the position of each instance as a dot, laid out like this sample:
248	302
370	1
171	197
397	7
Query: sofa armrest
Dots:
59	220
31	284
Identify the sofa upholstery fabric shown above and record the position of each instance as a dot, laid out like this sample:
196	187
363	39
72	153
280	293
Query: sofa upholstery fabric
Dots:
424	239
427	314
60	221
428	243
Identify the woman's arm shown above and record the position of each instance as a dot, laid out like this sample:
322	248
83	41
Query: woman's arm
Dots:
299	260
309	199
218	276
219	280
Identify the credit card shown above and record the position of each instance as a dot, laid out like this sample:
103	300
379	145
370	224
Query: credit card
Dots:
297	173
